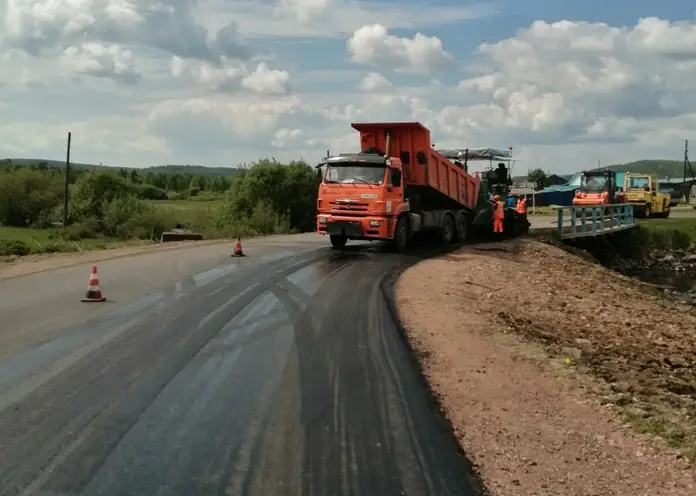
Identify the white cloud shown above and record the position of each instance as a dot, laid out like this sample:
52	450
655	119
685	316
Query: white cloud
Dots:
233	76
266	80
577	82
565	94
259	19
112	62
306	10
374	82
373	45
44	27
283	136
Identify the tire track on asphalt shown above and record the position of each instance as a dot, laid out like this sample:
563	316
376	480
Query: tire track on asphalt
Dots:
108	390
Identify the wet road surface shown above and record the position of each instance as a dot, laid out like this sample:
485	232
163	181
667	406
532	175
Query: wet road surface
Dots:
285	376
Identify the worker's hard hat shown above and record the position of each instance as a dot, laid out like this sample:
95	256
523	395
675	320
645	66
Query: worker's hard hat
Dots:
496	197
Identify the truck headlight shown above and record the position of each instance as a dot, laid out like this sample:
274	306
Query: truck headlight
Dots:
375	223
323	220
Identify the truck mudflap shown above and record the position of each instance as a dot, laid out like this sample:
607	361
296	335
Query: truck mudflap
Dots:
347	228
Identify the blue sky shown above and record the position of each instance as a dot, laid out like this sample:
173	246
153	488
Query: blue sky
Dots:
219	82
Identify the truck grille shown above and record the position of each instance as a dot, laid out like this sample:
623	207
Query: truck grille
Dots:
348	207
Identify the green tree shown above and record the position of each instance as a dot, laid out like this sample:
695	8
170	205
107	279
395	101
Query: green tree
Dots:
29	196
288	191
95	189
539	177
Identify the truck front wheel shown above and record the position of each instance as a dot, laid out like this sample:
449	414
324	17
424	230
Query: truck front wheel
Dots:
338	241
401	234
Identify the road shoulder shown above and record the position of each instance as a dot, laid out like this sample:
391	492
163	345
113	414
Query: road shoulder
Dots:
531	423
32	264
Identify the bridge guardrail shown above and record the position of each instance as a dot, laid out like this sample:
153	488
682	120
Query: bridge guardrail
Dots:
595	220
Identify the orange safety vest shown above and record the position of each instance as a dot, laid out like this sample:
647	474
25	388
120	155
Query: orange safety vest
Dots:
499	212
522	206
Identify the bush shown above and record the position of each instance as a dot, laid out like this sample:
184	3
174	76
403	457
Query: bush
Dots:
86	228
270	193
657	234
13	247
149	192
267	198
28	197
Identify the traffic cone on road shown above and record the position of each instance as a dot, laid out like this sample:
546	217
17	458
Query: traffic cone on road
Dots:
93	293
238	248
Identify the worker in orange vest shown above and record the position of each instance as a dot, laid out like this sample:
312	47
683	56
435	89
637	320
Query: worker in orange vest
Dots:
498	214
522	206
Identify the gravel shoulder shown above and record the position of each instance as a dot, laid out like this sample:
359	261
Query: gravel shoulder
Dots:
559	376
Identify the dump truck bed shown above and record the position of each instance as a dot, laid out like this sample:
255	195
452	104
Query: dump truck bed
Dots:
423	166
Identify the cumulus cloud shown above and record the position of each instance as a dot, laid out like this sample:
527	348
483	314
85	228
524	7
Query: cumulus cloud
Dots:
112	62
374	82
44	27
579	81
284	136
373	45
233	76
568	89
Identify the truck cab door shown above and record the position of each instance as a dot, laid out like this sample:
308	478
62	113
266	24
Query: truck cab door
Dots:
393	195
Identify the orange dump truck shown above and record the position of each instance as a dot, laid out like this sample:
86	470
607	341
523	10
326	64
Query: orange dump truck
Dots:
397	186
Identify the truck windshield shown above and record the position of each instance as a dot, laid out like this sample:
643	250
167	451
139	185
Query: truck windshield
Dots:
593	184
637	183
351	173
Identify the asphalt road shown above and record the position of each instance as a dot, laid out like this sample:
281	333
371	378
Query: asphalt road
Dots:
282	373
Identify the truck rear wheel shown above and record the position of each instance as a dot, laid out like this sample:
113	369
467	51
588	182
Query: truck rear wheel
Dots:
401	235
337	241
462	228
447	229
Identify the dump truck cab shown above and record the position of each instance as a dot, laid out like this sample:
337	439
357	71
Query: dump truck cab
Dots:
643	192
597	187
357	194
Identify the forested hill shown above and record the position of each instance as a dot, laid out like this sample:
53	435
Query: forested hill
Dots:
196	170
659	168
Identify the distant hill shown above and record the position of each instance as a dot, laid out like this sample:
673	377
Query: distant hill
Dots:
660	168
198	170
54	164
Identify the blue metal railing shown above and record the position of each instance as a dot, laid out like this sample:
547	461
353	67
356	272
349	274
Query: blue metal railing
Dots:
594	220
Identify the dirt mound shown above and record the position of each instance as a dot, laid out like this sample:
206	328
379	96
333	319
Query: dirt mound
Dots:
524	342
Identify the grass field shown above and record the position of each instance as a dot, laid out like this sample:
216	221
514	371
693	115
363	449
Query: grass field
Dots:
49	241
186	212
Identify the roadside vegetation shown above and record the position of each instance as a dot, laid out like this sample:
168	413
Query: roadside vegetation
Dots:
658	235
107	207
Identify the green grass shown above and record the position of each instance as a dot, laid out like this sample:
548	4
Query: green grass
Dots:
20	241
186	205
195	215
657	234
25	241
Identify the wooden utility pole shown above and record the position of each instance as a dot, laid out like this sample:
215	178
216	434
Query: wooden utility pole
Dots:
67	176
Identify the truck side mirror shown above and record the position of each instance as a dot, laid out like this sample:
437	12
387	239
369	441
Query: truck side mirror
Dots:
396	177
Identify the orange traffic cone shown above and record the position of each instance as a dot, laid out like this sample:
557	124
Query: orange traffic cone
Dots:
93	293
238	248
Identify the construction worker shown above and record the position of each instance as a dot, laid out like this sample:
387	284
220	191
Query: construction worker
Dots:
498	214
522	205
